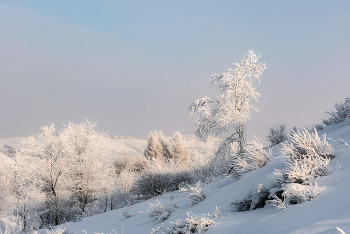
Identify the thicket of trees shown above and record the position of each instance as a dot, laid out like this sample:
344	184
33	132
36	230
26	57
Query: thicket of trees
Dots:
57	176
63	176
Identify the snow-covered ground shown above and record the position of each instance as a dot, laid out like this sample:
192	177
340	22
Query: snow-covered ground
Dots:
327	213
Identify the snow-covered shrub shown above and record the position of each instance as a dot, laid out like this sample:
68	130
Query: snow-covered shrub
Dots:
318	127
278	202
304	143
192	224
309	159
293	193
298	193
303	171
277	134
125	214
159	211
255	200
239	166
254	158
257	155
195	193
153	183
341	113
160	177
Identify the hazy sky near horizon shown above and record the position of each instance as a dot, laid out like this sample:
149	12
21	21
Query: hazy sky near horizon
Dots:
136	66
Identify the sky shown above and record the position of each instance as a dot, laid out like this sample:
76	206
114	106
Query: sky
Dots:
136	66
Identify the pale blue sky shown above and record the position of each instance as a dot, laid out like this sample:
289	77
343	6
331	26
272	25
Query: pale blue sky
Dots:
136	66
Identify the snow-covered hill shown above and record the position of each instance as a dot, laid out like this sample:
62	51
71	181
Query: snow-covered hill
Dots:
327	213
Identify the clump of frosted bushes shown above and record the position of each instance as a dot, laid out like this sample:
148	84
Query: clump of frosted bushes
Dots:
309	156
160	178
304	144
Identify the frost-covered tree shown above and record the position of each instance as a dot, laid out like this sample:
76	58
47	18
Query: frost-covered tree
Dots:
167	152
23	195
157	147
154	149
88	170
181	152
231	109
50	165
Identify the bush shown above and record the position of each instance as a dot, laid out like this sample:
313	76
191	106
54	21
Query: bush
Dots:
303	171
341	113
293	193
277	134
196	193
159	211
309	158
192	224
318	127
255	200
304	144
154	183
257	155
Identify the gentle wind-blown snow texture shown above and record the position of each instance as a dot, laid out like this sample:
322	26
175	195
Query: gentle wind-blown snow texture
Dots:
327	213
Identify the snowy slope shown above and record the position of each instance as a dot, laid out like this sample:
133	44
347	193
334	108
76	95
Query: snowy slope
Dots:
324	214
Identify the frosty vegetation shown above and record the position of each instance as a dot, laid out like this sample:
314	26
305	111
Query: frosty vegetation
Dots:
228	113
309	156
192	224
58	177
195	193
159	211
277	134
64	176
340	115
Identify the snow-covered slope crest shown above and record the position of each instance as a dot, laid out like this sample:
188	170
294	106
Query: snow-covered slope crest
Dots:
327	213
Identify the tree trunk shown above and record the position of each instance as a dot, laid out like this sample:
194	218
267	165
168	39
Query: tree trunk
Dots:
241	140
